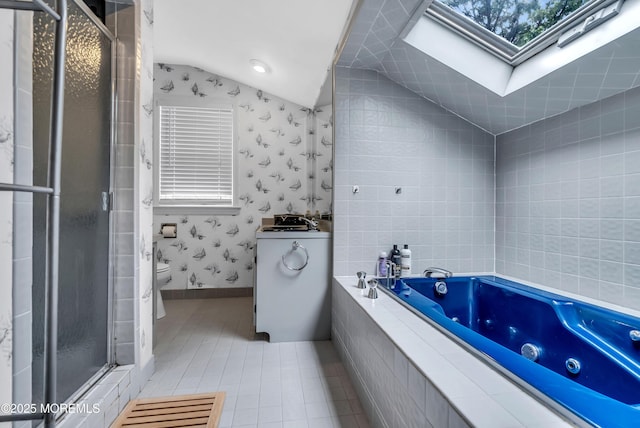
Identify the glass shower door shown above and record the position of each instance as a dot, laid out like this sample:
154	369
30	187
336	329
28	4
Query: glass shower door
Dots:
84	292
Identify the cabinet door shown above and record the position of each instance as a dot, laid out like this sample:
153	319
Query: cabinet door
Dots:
293	305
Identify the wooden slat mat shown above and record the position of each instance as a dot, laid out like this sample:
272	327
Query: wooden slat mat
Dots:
197	410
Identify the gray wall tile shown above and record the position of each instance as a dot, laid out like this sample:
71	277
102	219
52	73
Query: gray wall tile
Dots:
125	297
389	137
596	183
22	213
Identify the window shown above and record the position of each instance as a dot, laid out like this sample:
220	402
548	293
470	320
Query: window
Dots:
194	162
515	30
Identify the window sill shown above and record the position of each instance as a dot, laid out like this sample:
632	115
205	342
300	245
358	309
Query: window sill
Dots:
195	210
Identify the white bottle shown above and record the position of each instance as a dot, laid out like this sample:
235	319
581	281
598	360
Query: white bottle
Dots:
405	260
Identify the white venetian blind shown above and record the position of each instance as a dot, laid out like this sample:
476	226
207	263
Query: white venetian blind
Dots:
196	155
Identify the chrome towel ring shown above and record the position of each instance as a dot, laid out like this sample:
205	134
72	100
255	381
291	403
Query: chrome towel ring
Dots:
294	246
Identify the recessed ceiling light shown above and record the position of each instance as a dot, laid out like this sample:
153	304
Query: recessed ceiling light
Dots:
259	66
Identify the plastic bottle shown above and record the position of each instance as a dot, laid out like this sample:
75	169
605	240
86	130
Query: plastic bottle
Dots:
382	264
395	258
405	263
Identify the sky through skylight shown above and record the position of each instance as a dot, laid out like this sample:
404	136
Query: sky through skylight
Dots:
517	21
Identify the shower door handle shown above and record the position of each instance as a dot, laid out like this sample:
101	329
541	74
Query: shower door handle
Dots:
107	201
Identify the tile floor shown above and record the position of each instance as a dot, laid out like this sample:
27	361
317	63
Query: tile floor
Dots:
209	345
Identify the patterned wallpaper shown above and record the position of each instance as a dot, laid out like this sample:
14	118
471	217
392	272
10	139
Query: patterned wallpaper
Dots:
6	201
284	154
144	175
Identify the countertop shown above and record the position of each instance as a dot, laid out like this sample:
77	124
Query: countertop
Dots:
293	234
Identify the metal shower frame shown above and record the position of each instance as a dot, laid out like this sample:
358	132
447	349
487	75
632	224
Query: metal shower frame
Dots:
53	203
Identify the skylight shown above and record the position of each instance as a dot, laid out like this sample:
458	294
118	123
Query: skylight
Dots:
515	30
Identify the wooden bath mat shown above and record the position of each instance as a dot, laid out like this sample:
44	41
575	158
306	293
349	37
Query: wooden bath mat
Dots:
197	410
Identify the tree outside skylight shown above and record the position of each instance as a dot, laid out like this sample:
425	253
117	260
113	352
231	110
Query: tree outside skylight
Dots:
517	21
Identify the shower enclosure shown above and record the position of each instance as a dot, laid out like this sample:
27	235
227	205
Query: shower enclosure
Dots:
85	297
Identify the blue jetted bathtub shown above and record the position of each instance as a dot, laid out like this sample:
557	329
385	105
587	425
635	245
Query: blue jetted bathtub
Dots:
583	357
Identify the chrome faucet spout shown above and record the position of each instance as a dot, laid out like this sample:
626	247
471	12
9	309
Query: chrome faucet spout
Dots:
391	266
428	272
311	224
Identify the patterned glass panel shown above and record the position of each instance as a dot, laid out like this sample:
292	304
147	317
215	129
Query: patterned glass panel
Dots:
84	226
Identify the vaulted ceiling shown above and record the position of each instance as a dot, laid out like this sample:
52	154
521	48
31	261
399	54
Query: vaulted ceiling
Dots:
297	39
375	43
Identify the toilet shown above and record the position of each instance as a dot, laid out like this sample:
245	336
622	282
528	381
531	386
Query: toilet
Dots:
163	275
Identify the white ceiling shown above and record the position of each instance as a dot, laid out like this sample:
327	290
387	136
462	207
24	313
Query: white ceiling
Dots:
296	38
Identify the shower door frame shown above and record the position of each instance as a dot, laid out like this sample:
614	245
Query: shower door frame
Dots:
110	364
110	348
52	225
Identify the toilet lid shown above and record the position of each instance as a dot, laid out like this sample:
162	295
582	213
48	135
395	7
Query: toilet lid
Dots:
162	267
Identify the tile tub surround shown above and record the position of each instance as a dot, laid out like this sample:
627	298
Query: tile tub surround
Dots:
387	137
568	201
408	374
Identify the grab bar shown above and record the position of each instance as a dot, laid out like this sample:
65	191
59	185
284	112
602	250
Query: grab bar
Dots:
294	246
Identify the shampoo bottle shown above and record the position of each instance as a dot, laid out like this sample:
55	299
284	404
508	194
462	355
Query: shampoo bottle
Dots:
396	259
405	256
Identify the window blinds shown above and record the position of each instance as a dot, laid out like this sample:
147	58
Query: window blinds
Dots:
196	155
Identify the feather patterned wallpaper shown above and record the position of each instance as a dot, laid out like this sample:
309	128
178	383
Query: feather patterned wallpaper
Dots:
144	175
284	154
6	201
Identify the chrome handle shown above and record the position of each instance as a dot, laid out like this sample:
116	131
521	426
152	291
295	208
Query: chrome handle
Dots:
361	279
294	246
373	290
105	201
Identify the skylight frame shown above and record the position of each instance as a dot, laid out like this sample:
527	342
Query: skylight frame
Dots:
501	48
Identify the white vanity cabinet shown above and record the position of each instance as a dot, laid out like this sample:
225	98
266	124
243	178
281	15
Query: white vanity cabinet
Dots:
293	295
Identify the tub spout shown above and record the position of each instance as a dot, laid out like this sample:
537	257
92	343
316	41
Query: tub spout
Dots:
391	266
428	272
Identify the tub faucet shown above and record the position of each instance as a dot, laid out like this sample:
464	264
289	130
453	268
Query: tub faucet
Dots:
428	272
361	279
373	285
391	266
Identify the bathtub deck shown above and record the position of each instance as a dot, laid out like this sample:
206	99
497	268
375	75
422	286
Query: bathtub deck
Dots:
478	394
